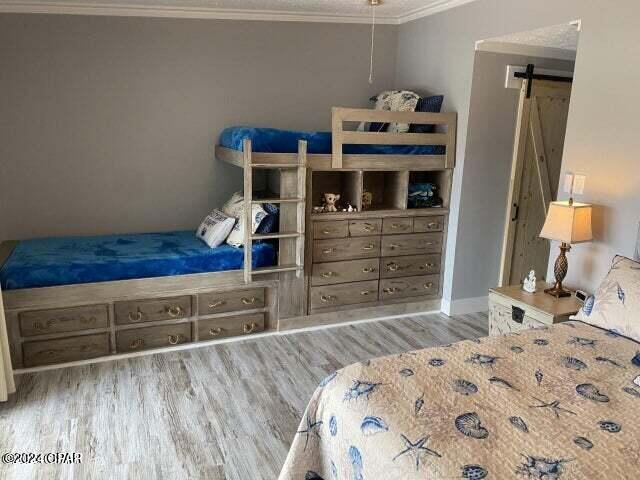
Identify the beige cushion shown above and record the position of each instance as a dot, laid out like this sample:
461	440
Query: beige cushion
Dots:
616	304
235	208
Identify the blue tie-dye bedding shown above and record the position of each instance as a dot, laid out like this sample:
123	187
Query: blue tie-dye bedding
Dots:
48	262
272	140
557	403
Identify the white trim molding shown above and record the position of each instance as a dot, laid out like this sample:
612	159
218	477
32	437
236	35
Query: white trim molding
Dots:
176	11
465	306
527	50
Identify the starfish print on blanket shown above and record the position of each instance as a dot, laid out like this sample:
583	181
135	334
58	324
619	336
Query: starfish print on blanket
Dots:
416	449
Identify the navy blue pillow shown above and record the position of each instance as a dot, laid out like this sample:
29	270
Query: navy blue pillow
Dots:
427	104
269	224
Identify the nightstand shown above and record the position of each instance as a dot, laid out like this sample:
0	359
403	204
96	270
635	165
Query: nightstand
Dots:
511	309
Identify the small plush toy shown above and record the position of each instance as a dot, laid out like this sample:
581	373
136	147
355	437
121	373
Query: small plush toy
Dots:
530	282
330	200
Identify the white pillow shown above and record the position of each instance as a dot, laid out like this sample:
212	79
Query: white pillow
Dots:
215	228
616	303
235	208
397	101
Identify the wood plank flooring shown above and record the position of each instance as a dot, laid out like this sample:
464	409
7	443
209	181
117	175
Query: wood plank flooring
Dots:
221	412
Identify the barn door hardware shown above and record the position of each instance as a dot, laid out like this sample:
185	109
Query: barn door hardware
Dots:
530	77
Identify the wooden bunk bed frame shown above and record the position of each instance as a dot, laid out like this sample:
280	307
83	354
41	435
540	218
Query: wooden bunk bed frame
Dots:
76	324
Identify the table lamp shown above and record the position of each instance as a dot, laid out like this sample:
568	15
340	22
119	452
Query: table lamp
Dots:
567	222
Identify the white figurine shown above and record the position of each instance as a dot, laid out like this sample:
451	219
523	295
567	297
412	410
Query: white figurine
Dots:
530	282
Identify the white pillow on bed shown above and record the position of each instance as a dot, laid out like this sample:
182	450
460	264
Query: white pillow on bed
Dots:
616	303
215	228
235	208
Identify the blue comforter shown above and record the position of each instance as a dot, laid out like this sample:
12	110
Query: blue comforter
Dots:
47	262
271	140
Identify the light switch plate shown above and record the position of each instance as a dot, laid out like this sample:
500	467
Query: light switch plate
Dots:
568	183
578	184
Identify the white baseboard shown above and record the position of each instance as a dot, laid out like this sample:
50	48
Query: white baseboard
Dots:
465	306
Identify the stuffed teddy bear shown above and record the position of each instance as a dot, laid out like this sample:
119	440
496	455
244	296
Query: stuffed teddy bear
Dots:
330	200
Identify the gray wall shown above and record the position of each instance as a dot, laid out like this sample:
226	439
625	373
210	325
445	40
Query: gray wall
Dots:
108	124
489	151
437	53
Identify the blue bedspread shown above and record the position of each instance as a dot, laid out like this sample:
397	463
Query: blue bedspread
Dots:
70	260
286	141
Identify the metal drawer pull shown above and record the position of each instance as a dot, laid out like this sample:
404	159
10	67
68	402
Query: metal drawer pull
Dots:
395	225
430	265
428	285
248	301
175	339
137	343
432	225
217	304
367	227
394	246
135	317
215	331
517	314
249	328
368	247
327	231
428	244
327	298
174	310
390	290
368	270
366	292
328	250
393	267
327	274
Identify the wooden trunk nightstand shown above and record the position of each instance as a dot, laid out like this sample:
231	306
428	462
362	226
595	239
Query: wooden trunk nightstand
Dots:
511	309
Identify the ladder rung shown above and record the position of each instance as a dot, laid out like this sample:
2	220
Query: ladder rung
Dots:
276	269
278	200
267	236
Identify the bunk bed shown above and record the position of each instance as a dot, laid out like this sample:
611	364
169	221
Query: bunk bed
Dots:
86	299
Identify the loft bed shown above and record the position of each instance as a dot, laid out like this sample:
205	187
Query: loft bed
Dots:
77	299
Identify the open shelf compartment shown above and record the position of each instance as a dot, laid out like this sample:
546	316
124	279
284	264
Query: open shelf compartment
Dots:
386	190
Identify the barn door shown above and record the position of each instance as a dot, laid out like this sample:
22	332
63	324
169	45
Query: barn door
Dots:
535	174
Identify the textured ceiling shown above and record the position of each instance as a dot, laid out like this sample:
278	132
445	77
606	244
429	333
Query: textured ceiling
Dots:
563	36
390	11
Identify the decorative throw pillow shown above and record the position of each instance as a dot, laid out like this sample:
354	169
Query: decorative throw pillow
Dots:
270	223
616	304
215	228
427	104
394	101
235	208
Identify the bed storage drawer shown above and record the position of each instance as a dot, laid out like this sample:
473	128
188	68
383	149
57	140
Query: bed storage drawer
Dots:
346	249
138	311
409	286
60	320
236	300
428	224
365	227
342	272
344	294
45	352
503	320
152	337
337	229
397	225
412	244
393	267
214	328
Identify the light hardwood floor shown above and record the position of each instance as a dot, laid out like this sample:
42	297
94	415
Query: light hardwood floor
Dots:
221	412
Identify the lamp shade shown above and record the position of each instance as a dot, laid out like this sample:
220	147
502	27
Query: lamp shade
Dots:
568	222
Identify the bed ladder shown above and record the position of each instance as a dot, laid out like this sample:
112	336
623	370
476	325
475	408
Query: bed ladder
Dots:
291	234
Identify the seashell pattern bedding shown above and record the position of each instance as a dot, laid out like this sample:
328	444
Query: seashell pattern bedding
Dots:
553	403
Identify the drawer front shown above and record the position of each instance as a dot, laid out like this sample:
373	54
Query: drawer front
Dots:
365	227
152	337
344	294
397	225
151	310
46	352
237	300
336	229
214	328
343	272
428	224
346	249
409	286
63	320
412	244
393	267
503	320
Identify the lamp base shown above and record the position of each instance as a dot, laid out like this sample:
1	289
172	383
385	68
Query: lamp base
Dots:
560	271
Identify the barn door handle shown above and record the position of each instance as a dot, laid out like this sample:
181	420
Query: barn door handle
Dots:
515	215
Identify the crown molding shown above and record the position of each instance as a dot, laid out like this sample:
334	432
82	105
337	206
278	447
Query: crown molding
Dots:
431	9
161	11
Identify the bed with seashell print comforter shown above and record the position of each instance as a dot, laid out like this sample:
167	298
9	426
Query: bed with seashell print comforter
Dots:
554	403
